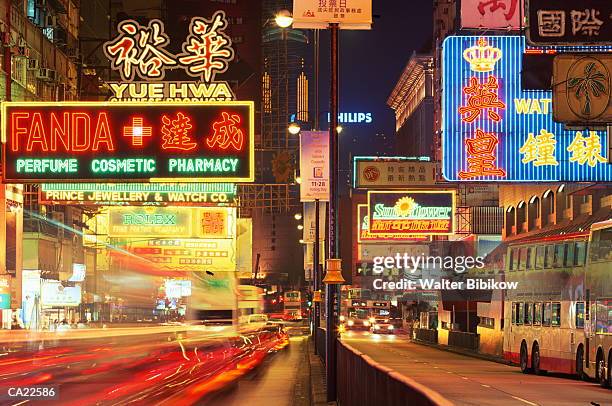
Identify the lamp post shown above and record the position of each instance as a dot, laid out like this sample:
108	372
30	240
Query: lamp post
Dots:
333	275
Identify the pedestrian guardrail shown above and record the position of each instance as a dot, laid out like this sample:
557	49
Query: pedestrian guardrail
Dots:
364	382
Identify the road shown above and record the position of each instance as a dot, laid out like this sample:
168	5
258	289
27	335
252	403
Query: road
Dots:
282	380
467	380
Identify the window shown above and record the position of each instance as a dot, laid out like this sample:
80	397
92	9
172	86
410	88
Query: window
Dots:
559	255
555	317
549	257
569	255
601	246
579	253
580	315
511	260
529	261
603	316
540	253
528	314
537	314
547	311
521	258
488	322
517	313
521	313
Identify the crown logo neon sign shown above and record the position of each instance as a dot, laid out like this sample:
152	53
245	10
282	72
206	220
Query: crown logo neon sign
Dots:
482	56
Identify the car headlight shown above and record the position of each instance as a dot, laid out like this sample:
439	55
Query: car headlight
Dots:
366	323
350	322
377	327
390	327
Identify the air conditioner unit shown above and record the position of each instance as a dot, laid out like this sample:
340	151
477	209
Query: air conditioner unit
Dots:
53	76
23	51
33	64
43	74
51	21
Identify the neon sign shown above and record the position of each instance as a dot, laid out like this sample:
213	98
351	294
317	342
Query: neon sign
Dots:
494	131
411	212
117	194
364	235
159	142
140	52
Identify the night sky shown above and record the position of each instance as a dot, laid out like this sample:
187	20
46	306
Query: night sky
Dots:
370	65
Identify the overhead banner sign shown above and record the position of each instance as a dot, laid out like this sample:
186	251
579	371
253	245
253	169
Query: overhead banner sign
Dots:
181	222
120	194
349	14
203	254
582	90
314	165
396	172
309	233
498	14
554	22
495	131
411	212
365	236
119	142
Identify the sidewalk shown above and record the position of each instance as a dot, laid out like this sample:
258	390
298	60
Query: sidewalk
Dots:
318	384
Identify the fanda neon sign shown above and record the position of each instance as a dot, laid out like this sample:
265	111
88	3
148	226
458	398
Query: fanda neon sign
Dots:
140	51
495	131
122	142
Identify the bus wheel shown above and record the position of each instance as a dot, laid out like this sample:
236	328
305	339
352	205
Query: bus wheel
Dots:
601	370
523	358
580	363
603	375
535	360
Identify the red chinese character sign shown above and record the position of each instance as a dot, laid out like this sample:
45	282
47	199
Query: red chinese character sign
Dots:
491	14
493	130
209	142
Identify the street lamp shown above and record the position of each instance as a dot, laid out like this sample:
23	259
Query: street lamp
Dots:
297	216
301	241
298	180
339	129
283	19
300	227
294	128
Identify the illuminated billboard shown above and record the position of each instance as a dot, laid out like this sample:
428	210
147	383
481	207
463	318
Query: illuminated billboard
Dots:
364	235
122	142
411	212
175	222
118	194
202	254
495	131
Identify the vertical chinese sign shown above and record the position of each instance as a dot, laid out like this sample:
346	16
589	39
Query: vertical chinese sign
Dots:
495	131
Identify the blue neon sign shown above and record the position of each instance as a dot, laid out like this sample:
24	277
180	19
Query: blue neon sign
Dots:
495	131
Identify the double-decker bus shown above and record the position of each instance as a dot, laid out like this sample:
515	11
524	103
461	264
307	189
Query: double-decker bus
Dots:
545	314
598	314
362	313
559	316
292	305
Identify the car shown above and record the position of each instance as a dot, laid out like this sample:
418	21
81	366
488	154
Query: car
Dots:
382	326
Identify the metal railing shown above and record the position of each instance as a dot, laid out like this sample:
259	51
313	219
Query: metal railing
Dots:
364	382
